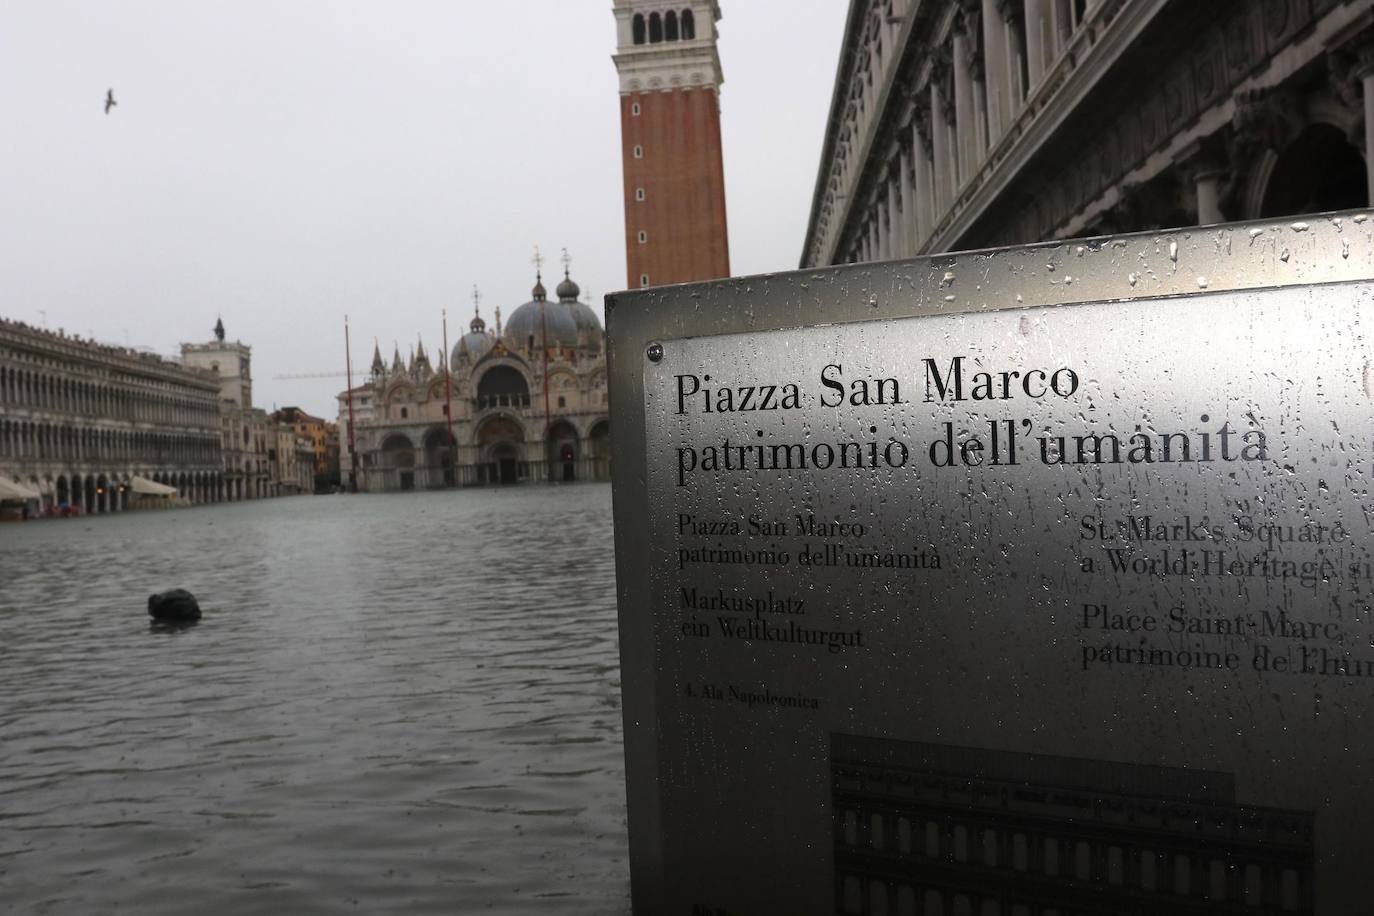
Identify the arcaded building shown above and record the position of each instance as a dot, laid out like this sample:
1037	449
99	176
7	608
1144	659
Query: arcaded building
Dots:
973	123
79	421
522	403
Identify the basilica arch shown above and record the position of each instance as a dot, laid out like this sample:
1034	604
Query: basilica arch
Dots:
500	442
439	454
562	450
502	385
398	462
599	450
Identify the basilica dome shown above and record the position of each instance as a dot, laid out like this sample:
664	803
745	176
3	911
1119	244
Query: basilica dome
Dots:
588	325
474	344
528	323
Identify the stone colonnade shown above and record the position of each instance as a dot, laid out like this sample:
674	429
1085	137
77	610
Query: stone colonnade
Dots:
79	420
940	107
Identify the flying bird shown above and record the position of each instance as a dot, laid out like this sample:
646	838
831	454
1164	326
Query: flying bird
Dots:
109	100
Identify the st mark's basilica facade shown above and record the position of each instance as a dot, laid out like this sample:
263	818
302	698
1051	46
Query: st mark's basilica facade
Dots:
526	402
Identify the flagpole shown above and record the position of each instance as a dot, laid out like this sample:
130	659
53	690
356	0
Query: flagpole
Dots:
448	407
352	443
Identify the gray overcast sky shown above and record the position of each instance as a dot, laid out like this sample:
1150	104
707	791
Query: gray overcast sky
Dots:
286	163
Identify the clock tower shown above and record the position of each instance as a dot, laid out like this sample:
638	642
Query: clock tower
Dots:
670	80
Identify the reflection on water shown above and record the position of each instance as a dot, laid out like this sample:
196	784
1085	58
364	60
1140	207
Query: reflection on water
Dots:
394	703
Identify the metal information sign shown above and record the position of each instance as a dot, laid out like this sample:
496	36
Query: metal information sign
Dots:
1025	581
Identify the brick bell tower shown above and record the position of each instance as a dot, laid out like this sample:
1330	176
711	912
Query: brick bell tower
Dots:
670	82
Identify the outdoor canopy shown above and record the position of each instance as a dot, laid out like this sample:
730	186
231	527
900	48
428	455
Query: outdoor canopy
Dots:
10	491
151	487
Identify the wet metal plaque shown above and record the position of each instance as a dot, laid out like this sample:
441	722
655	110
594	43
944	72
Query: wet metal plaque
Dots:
1027	581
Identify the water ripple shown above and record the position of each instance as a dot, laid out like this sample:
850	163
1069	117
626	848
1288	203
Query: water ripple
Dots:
402	703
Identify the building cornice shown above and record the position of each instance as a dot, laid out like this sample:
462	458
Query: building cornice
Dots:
57	346
667	66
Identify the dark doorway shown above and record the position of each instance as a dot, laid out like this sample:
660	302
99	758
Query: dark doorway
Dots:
566	456
407	480
508	474
1319	171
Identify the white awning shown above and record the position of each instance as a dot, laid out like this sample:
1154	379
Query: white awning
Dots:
11	491
150	487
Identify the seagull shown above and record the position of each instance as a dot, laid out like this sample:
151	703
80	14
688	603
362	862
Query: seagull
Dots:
109	100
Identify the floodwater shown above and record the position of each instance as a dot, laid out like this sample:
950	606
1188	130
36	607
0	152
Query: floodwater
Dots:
403	703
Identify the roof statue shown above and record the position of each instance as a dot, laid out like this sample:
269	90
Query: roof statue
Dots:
219	329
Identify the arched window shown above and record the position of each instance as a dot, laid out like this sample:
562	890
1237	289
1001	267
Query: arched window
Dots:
1319	170
689	26
670	26
638	28
655	29
502	385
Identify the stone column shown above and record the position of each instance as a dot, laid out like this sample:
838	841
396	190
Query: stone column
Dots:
866	99
878	51
1037	23
896	244
982	122
924	175
965	128
880	213
996	71
909	227
1364	72
1203	165
1209	198
943	171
